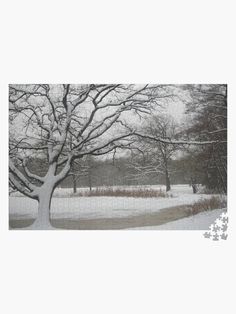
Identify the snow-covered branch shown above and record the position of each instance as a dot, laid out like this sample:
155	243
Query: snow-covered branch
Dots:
176	142
18	174
32	175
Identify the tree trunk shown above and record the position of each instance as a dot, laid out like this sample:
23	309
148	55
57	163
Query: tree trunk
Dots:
167	181
74	183
194	185
42	222
166	173
90	181
194	188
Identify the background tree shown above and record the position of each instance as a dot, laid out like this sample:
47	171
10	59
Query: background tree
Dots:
83	169
207	108
154	157
206	129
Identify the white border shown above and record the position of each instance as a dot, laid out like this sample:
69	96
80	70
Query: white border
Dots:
112	271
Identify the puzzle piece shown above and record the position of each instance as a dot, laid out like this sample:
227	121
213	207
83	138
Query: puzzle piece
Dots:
224	236
207	235
218	230
224	227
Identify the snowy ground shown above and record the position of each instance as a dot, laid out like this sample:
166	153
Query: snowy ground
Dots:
103	207
201	221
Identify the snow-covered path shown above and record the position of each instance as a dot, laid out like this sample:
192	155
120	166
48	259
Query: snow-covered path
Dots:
201	221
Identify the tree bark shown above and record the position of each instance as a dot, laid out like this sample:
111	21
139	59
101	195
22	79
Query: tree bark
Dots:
74	183
90	181
194	185
167	181
42	221
166	174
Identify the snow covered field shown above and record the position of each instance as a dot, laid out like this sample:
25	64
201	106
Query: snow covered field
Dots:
103	207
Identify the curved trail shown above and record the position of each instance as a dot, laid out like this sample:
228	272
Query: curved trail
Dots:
143	220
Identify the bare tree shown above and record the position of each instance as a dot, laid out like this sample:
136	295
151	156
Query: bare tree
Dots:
62	123
207	130
207	107
82	168
153	157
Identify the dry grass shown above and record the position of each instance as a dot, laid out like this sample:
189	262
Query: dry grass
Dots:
202	205
144	193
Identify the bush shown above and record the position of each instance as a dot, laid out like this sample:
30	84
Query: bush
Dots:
214	202
145	193
206	190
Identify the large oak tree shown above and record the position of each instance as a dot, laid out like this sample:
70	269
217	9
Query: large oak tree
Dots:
62	123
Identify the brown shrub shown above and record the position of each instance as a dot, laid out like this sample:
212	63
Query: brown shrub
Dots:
145	193
214	202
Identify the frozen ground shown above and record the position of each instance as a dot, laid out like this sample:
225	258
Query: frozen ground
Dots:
201	221
103	207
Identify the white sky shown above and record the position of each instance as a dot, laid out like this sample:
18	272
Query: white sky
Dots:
176	109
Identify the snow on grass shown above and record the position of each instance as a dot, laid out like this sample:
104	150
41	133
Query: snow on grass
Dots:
104	207
175	190
62	192
201	221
